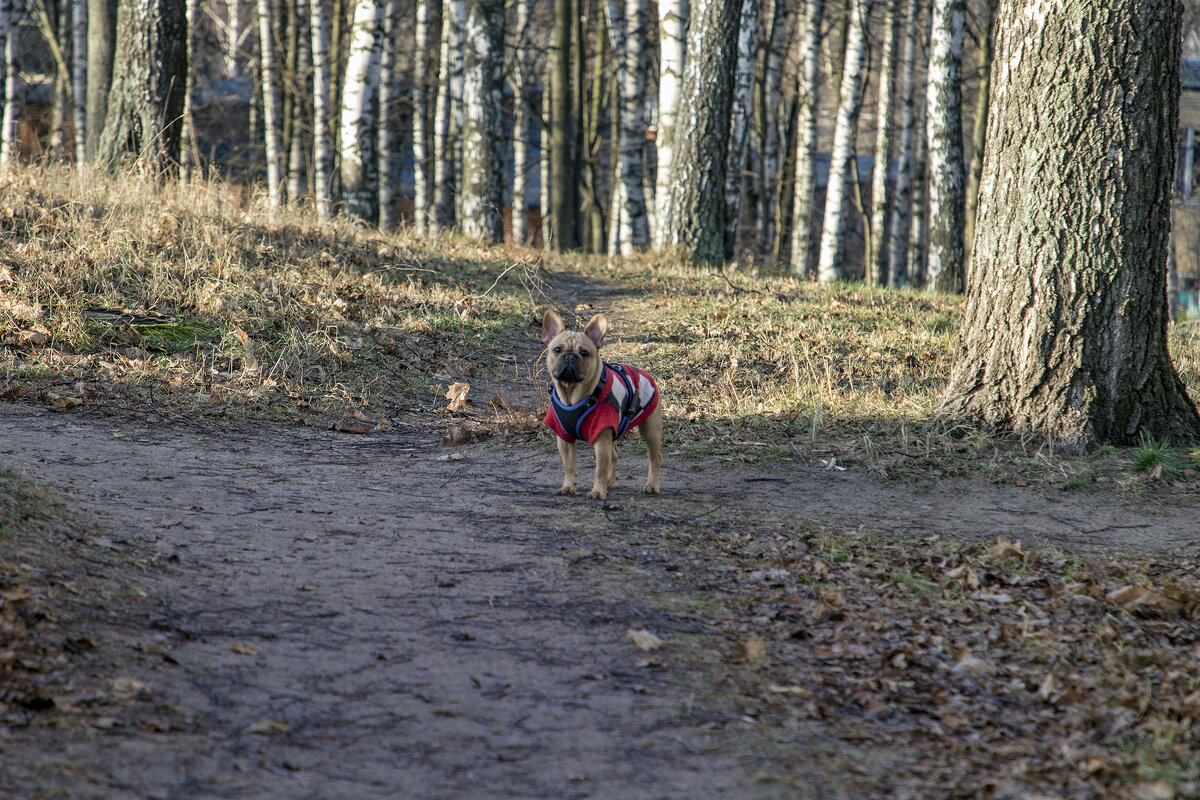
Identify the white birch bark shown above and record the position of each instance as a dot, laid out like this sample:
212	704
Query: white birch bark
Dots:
627	36
739	122
301	145
899	223
773	123
360	94
272	102
483	110
943	133
522	165
446	124
917	207
424	58
808	91
830	262
673	20
187	138
876	261
79	79
544	163
385	142
233	40
322	100
11	117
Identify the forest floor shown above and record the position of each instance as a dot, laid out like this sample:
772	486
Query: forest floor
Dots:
230	570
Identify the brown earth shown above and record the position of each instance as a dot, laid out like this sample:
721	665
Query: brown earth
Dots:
305	613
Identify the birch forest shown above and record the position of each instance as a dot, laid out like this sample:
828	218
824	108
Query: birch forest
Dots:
833	139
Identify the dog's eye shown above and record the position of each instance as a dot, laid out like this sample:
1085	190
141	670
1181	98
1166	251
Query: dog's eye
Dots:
584	354
557	350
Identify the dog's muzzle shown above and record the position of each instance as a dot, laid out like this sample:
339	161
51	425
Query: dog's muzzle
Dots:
568	369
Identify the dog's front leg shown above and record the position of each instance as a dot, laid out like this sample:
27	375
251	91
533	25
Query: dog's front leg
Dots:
566	450
606	464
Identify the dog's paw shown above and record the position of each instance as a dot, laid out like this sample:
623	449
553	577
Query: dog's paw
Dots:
598	494
566	490
651	488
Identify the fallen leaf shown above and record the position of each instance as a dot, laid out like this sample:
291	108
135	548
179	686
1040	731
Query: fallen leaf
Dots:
1005	549
644	639
269	727
498	404
351	425
457	395
751	650
245	649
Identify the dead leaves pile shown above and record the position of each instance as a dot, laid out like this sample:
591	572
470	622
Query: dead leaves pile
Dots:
1006	672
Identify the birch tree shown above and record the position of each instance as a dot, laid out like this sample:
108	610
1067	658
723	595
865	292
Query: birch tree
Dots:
79	71
627	34
10	119
360	96
899	222
830	262
189	149
522	164
673	22
425	62
385	134
771	123
808	95
564	225
694	218
943	134
979	134
101	38
739	122
272	95
148	85
876	262
322	33
483	109
233	38
1064	334
447	126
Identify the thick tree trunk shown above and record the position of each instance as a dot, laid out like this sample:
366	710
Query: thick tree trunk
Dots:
899	222
808	95
877	264
360	99
425	63
79	71
979	135
830	266
272	92
739	123
322	32
627	34
385	134
943	132
1065	330
101	39
694	218
673	23
148	86
483	109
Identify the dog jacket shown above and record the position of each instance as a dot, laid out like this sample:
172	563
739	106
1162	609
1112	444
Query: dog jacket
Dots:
623	398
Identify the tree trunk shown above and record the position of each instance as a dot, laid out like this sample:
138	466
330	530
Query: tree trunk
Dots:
447	126
808	96
322	31
673	23
830	266
943	131
148	85
360	98
301	140
694	219
979	135
918	206
483	107
101	38
771	128
877	265
739	123
233	39
425	62
564	166
1064	335
189	149
544	221
385	132
522	164
10	118
627	34
79	71
899	223
272	101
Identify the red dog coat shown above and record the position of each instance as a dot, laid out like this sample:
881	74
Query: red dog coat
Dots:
623	399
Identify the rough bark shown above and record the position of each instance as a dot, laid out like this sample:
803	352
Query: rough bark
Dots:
360	98
673	22
148	86
881	201
943	134
425	63
899	223
627	35
808	97
483	107
739	122
830	266
272	93
322	32
979	134
694	219
1064	334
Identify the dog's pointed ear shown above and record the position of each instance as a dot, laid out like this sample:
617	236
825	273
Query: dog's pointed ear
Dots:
552	325
596	328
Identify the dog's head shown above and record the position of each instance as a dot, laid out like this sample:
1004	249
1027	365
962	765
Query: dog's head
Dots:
573	357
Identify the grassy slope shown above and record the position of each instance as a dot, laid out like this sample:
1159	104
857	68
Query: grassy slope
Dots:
277	316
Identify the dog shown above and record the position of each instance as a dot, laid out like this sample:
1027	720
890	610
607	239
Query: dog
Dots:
599	403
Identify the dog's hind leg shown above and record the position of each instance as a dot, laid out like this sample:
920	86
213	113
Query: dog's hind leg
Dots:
651	431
